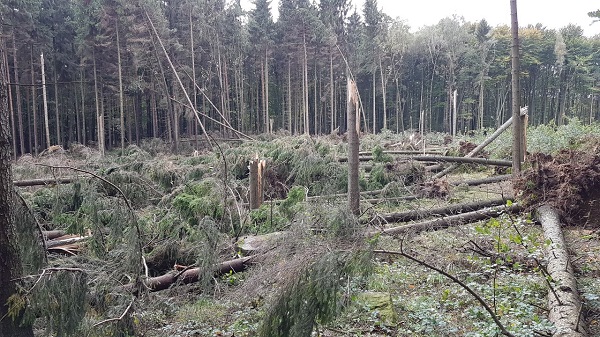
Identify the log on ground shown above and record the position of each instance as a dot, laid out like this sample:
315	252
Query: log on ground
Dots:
191	275
564	303
445	222
447	210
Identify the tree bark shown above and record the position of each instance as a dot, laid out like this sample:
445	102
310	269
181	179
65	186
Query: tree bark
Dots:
564	303
10	264
18	97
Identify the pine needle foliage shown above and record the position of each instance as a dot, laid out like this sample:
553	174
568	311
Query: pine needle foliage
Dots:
60	298
314	296
29	237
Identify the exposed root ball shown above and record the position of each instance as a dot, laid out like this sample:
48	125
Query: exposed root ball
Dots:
568	181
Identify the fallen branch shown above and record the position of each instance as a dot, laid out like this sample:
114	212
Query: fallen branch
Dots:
448	221
564	302
447	210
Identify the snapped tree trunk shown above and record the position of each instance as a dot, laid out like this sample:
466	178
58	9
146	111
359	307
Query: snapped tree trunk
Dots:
564	303
353	147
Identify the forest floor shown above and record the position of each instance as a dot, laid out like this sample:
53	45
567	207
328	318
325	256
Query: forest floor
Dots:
173	195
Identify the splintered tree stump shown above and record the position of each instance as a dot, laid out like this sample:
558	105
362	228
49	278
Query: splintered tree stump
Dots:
564	303
257	168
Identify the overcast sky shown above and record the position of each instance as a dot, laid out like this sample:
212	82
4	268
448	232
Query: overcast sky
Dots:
550	13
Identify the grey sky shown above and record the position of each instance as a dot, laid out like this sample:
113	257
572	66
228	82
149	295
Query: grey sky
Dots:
550	13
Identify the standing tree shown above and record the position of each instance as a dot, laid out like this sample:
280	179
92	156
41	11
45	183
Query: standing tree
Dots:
516	91
10	263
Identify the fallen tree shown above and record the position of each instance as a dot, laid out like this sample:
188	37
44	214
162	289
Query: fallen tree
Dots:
190	275
564	303
452	220
45	181
483	181
444	211
469	160
477	149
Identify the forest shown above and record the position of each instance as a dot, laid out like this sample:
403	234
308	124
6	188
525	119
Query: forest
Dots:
117	72
186	168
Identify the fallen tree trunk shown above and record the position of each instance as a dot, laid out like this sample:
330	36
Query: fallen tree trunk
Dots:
66	241
448	221
448	210
375	201
483	181
45	181
477	149
564	303
470	160
407	152
191	275
51	235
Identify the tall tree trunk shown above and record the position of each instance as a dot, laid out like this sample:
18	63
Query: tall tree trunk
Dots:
83	129
34	106
481	91
516	91
121	103
154	112
18	97
13	124
10	264
267	115
263	109
374	104
99	112
383	92
45	98
305	86
56	106
331	92
316	114
289	94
